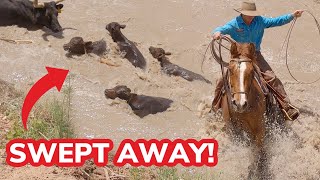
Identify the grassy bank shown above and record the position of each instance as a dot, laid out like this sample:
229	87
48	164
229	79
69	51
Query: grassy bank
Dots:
48	120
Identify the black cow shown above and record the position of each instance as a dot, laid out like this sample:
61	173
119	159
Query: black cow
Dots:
132	52
25	13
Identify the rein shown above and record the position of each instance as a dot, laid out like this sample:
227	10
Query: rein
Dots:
219	59
286	44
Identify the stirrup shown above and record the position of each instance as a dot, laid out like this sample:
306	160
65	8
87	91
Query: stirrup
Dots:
293	116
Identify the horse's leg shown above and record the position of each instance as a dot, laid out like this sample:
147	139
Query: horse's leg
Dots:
255	167
259	168
261	163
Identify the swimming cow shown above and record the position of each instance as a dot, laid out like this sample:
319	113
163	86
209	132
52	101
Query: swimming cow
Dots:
77	46
173	69
132	52
140	104
25	13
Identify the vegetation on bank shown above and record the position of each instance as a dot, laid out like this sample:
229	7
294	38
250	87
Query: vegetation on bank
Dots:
48	120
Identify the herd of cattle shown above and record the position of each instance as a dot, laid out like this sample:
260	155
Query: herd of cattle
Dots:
26	13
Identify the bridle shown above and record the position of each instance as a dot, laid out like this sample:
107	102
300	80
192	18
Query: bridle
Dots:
239	61
222	63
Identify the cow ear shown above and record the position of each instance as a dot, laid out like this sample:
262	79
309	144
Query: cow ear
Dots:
234	49
59	6
122	26
129	90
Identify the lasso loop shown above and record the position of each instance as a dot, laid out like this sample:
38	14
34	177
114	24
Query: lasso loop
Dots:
286	44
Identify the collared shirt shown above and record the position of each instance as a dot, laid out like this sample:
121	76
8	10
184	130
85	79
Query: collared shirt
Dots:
253	33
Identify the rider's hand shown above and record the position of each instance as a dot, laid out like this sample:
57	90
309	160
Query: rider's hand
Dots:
297	13
216	35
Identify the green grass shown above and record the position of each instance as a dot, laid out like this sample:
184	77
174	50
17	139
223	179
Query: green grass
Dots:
139	173
49	120
165	173
162	173
168	173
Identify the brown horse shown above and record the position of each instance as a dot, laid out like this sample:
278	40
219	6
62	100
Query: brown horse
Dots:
244	104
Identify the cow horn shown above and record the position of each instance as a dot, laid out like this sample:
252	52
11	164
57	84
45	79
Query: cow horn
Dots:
36	4
59	1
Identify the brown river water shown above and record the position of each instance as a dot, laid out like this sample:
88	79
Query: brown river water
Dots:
183	28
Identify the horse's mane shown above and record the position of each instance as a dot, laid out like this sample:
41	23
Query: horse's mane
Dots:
243	49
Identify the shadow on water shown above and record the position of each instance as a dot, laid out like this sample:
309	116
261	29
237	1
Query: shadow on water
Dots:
58	35
35	27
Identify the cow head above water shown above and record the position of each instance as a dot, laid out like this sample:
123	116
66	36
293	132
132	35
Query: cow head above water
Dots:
158	53
241	74
77	45
46	14
122	92
114	26
114	30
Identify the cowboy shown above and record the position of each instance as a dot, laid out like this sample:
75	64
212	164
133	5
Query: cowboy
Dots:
249	27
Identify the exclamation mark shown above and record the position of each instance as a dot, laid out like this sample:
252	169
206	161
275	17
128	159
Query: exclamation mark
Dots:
211	149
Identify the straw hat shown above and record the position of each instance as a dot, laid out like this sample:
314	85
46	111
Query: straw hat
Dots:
248	8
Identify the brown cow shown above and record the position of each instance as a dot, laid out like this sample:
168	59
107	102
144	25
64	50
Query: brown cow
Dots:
140	104
173	69
77	46
132	53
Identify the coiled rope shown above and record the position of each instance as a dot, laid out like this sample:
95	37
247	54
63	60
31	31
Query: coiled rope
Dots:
287	42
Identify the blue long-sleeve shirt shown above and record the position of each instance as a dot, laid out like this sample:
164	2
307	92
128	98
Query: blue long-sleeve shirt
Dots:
253	33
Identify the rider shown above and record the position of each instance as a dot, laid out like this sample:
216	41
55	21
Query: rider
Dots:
249	27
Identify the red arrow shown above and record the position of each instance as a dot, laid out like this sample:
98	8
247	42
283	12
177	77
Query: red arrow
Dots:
54	78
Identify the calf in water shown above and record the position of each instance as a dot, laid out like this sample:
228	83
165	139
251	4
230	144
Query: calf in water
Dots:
132	53
140	104
77	46
173	69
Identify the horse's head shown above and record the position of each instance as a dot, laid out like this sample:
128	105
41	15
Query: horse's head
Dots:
241	74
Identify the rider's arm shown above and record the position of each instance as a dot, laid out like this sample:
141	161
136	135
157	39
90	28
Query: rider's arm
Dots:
277	21
225	29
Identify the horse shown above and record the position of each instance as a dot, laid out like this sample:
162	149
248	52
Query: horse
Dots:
245	104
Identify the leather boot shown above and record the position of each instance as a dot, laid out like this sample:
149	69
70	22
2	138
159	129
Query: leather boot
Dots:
290	112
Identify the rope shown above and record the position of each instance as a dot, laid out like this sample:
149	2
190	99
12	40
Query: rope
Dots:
219	59
211	44
286	44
